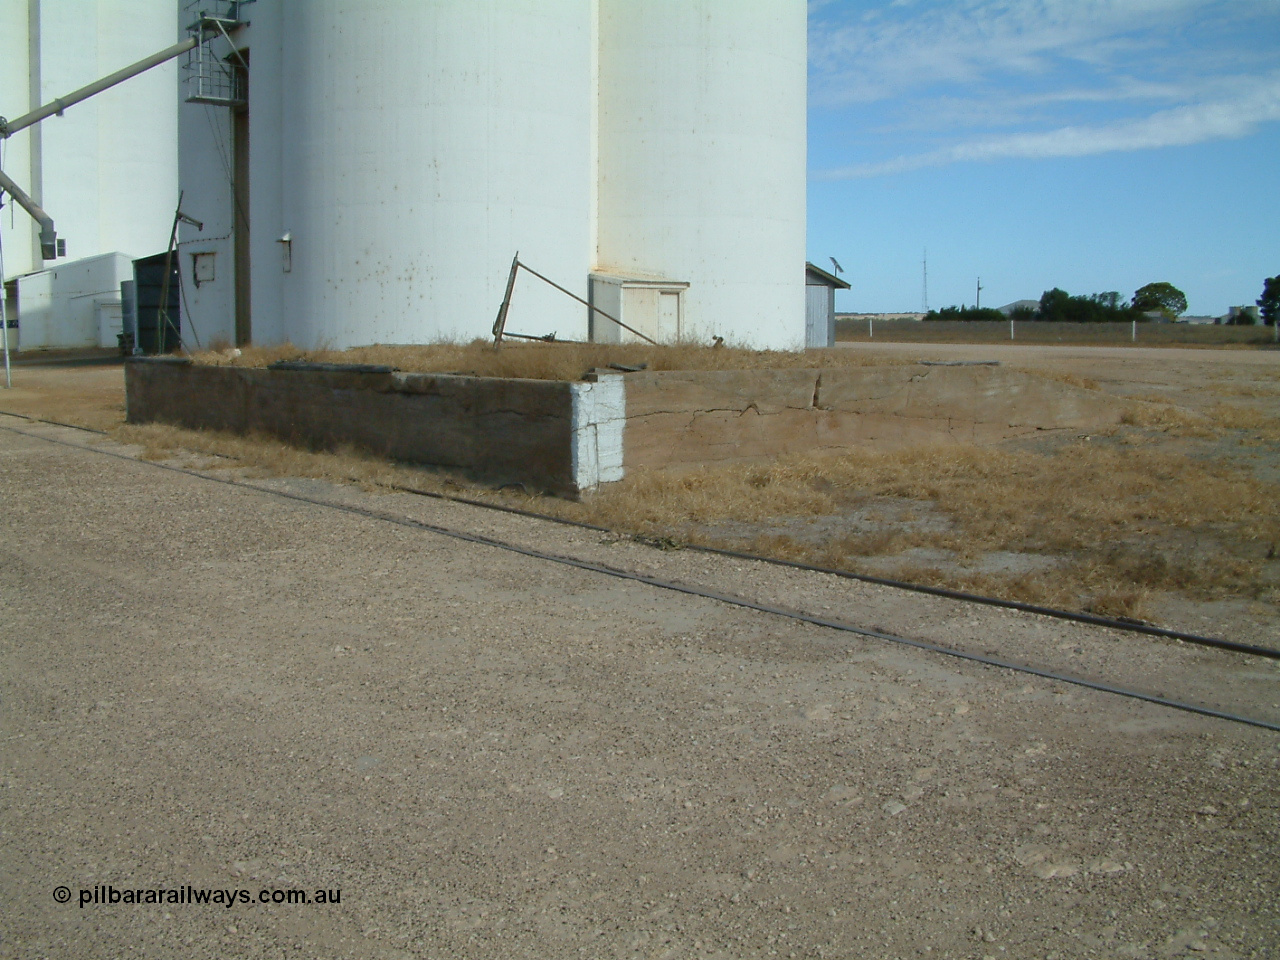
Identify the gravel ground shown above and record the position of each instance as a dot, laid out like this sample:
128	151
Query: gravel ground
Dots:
491	755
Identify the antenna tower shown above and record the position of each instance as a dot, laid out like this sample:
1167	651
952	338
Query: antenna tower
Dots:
924	285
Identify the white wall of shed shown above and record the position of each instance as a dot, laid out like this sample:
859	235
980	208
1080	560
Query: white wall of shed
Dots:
62	307
820	315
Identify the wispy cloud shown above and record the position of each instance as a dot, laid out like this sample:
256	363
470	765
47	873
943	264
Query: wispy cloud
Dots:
860	55
1178	126
1040	78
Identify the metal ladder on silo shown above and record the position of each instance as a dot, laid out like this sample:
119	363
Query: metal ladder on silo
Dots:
215	76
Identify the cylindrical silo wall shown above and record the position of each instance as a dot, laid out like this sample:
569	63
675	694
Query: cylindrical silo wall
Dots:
421	144
107	170
21	249
701	169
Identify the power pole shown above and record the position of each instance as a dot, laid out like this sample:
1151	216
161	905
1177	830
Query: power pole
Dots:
978	305
924	286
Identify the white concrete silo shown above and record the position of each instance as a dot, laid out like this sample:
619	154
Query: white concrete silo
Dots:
407	149
106	171
649	155
18	235
701	166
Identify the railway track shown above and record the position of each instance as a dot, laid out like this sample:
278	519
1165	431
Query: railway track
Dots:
736	600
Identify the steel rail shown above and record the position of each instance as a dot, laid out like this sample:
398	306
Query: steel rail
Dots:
1092	619
1089	618
677	587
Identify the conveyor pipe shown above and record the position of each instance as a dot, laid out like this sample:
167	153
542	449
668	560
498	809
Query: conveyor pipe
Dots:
48	235
55	107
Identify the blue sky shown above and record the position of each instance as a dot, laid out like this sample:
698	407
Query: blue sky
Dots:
1091	145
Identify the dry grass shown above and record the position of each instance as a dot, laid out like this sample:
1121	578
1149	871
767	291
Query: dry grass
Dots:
547	361
1155	414
1230	416
1158	414
95	401
1023	498
1062	376
1243	390
1128	521
263	455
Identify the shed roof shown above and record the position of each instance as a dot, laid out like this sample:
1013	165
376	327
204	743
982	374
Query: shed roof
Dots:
828	279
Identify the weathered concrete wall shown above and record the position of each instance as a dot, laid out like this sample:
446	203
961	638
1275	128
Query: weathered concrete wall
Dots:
696	417
503	430
571	437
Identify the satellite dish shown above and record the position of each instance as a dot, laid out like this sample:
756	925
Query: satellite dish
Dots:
836	263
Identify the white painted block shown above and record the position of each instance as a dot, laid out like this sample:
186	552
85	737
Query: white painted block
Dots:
599	416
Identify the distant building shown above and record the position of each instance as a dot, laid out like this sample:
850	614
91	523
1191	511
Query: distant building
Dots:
820	306
1241	315
1008	308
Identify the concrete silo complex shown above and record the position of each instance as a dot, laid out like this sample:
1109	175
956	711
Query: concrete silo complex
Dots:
366	172
106	171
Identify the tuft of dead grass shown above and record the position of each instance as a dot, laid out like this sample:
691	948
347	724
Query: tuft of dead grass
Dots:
1167	418
547	361
1181	422
1063	376
1120	602
1243	390
1231	416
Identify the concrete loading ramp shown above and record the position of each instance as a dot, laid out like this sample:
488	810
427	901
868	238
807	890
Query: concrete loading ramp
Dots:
570	437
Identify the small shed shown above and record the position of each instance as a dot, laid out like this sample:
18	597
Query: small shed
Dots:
820	306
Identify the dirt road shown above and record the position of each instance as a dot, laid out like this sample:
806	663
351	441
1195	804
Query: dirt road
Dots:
490	755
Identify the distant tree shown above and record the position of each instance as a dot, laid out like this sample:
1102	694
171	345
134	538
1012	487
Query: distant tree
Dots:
1164	297
1055	305
964	313
1269	302
1058	306
1022	314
